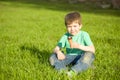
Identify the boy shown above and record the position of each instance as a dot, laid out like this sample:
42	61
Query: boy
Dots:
79	47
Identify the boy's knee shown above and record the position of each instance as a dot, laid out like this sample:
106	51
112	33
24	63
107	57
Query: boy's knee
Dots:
52	59
88	58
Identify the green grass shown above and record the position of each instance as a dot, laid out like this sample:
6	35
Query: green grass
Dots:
30	30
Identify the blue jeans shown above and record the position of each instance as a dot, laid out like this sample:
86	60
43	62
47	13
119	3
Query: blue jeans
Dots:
80	62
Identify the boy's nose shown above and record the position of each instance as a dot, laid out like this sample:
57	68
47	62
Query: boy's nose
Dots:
72	28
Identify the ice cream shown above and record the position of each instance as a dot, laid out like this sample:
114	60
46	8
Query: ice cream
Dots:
70	40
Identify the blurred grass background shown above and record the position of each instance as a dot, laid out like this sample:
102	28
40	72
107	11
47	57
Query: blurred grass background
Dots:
29	30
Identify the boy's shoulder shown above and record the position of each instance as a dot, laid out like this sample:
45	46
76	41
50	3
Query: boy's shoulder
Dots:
83	32
66	34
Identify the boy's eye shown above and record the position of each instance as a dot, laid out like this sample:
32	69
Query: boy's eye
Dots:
68	26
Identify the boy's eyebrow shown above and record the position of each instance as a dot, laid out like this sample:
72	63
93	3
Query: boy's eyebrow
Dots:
68	26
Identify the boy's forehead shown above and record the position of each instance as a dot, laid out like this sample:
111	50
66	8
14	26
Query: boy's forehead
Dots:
73	23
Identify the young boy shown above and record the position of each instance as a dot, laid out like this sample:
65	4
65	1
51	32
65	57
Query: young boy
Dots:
79	47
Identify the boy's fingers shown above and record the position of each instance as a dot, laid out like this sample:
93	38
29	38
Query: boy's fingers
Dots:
61	57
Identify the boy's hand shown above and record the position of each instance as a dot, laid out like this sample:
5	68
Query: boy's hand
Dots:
75	45
60	56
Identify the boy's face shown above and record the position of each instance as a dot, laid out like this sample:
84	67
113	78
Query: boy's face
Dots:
73	28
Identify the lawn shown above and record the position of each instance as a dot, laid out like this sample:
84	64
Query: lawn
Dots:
29	31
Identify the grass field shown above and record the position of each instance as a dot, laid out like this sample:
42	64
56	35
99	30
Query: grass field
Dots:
30	30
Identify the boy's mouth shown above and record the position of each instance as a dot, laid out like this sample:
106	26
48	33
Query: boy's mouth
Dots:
72	32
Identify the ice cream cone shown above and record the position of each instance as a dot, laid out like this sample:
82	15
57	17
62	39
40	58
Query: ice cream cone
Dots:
70	40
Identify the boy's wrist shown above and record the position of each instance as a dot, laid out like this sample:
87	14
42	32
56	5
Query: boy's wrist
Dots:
58	52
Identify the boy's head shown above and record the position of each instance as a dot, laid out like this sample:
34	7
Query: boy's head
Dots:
73	17
73	22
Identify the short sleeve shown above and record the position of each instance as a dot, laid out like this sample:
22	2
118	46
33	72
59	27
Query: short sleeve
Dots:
87	39
61	42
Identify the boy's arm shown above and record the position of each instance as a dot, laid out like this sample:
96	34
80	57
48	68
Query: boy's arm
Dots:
57	49
90	48
87	48
59	53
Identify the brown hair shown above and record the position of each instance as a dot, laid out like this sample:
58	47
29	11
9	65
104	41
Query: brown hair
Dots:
71	17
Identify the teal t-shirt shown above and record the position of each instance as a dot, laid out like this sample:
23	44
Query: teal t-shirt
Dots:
81	38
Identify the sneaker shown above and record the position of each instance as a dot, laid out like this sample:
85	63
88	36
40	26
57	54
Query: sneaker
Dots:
71	73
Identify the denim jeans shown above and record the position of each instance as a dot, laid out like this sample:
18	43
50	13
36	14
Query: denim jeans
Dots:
80	62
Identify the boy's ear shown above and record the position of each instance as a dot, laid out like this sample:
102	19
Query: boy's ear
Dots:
80	26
